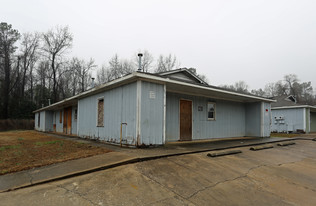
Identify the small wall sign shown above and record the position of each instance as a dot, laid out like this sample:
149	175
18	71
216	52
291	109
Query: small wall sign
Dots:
152	95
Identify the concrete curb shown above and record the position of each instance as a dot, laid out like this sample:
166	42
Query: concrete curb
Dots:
261	147
282	144
132	161
223	153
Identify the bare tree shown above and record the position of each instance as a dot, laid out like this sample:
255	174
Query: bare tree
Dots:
258	92
103	75
270	90
166	63
82	70
29	47
56	42
241	86
290	80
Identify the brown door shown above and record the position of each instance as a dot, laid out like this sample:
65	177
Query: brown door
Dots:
67	120
185	120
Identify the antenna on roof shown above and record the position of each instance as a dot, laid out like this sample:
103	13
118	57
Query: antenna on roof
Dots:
139	61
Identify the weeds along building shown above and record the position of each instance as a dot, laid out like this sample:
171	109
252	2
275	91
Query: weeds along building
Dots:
151	109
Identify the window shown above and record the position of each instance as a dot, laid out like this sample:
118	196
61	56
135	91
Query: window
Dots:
61	116
76	114
211	111
39	119
100	120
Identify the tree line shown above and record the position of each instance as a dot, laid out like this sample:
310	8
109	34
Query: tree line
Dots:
35	68
290	85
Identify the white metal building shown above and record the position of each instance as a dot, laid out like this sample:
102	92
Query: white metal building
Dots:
289	116
151	109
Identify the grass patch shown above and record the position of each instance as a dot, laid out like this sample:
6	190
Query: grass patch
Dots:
49	142
6	147
22	150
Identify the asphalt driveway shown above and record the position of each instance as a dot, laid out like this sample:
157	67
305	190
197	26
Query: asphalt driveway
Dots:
277	176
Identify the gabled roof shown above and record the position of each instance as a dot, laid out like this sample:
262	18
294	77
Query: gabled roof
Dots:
183	74
172	85
289	102
284	100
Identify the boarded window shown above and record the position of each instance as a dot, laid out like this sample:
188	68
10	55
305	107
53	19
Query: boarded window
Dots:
61	116
76	114
211	111
100	113
39	120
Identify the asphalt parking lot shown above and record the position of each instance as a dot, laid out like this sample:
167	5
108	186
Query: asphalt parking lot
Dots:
277	176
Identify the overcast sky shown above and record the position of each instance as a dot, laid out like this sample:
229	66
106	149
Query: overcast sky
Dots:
251	40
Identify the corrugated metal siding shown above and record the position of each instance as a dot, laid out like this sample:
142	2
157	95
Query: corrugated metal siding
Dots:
307	120
119	107
292	118
253	119
49	121
36	121
152	110
267	119
73	121
59	126
313	121
41	127
230	118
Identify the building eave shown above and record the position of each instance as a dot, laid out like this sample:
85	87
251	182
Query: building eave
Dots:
294	107
149	77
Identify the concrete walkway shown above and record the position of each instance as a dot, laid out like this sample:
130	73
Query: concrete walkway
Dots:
120	156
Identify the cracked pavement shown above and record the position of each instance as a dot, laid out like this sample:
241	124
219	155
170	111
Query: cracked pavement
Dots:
278	176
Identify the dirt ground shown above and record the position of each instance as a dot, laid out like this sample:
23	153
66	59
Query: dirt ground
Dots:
21	150
285	135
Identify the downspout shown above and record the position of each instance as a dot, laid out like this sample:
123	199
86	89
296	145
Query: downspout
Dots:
78	118
164	114
262	120
304	120
138	112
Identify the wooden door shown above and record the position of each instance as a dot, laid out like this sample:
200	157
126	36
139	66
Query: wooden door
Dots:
67	121
185	120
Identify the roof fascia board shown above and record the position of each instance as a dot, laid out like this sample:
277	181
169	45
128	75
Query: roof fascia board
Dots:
294	107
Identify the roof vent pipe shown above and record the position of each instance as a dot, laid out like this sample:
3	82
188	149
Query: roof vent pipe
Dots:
48	102
139	61
92	84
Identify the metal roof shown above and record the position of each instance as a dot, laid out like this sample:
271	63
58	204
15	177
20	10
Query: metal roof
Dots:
171	86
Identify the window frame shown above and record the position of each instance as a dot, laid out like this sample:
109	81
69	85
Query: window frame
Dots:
97	112
214	113
76	114
39	120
